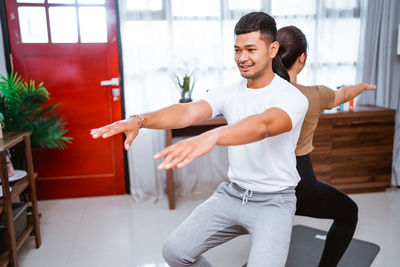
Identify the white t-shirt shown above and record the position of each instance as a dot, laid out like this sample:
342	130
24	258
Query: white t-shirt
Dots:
268	165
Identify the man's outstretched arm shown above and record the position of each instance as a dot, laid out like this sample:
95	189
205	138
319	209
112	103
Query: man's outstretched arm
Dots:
174	116
254	128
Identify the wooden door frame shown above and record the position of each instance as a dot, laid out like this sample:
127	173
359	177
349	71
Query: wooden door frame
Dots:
7	53
122	88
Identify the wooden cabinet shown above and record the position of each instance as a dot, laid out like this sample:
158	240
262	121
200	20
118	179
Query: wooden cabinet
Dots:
353	150
28	182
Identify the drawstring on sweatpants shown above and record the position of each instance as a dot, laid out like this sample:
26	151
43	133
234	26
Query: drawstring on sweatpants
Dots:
246	195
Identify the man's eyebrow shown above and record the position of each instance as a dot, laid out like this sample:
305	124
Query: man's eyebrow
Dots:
246	46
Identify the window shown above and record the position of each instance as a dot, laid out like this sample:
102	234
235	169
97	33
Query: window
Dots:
203	29
62	21
326	24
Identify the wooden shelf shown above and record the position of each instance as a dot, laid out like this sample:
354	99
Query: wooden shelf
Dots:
24	236
17	188
10	139
4	259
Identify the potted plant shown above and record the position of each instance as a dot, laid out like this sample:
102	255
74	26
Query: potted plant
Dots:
26	107
185	77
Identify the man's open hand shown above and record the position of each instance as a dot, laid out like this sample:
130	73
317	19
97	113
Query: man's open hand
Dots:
184	152
129	126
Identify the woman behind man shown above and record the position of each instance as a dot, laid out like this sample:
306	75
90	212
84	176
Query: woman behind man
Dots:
316	198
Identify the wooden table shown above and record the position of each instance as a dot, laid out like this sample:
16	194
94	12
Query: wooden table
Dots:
192	130
353	150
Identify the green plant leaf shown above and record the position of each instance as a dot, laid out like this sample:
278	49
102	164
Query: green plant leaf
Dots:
26	107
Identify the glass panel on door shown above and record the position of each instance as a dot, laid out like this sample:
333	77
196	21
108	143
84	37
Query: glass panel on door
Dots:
31	1
33	26
61	1
63	25
93	24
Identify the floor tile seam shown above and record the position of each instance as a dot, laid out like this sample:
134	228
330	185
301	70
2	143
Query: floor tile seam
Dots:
79	228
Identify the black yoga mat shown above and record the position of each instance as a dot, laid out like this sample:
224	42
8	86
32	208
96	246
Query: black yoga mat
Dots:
307	244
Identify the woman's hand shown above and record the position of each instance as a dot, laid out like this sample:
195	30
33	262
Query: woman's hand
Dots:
368	86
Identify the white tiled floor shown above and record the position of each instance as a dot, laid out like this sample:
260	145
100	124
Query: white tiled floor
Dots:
115	231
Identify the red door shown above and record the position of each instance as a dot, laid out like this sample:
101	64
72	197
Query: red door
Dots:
72	46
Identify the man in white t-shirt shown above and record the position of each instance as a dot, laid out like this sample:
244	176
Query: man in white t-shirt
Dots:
264	114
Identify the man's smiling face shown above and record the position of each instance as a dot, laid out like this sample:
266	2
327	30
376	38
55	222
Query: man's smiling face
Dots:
252	55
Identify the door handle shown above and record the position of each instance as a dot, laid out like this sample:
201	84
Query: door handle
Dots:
112	82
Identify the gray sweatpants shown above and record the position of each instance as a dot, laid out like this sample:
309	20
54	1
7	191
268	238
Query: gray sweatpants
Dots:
232	211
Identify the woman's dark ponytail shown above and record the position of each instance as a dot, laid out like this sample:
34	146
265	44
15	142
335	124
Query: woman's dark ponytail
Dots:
292	44
279	68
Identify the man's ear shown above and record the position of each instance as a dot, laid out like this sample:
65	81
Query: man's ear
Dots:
273	49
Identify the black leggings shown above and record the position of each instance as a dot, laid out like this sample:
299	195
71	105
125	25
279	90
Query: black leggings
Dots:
320	200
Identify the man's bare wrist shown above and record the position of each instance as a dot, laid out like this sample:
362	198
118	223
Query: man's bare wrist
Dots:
213	136
140	120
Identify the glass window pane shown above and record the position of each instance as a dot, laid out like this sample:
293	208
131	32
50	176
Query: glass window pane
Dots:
244	5
341	4
192	8
155	40
143	5
292	7
61	1
228	43
32	22
191	42
30	1
91	1
334	76
63	25
341	45
93	24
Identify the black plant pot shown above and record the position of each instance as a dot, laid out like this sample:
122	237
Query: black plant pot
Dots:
185	100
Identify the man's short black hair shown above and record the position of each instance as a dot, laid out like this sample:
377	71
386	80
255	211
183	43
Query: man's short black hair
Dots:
257	21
